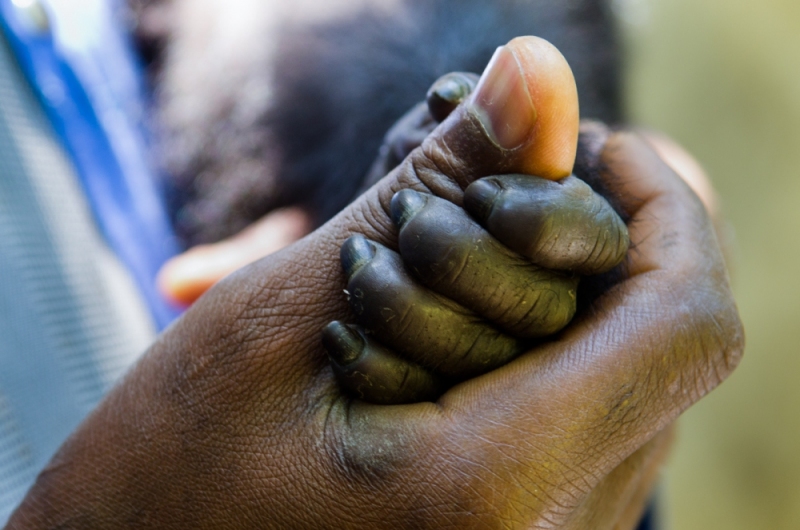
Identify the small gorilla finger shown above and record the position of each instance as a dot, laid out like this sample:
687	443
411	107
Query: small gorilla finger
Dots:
369	371
419	324
413	127
561	225
454	256
448	92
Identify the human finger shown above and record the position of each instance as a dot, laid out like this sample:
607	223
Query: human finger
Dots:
185	278
241	383
687	167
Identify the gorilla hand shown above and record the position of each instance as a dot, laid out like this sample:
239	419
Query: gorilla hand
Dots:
480	300
234	420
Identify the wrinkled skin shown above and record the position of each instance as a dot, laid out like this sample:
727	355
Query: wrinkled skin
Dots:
478	303
460	299
234	420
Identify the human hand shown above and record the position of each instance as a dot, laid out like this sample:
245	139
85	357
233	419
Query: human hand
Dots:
234	420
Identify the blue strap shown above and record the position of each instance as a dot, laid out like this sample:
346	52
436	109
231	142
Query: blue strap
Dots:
89	83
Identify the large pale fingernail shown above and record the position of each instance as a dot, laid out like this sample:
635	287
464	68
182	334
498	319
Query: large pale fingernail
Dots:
502	103
343	344
356	252
479	198
405	205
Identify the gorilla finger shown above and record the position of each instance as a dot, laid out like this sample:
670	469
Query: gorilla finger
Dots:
561	225
414	126
448	92
419	324
454	256
369	371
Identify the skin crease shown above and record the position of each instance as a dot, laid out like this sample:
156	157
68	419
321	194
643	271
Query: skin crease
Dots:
234	420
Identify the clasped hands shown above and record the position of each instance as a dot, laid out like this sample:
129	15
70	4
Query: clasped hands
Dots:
234	418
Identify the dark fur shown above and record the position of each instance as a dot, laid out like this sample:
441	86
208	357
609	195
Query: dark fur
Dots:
341	86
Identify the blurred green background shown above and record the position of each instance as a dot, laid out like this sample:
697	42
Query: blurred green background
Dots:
723	78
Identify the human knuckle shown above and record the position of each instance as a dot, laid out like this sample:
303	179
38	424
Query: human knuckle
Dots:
439	155
372	217
716	330
434	166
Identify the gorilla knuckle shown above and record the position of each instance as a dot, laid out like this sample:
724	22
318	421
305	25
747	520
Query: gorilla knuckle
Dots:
443	246
484	350
452	268
544	310
435	258
605	249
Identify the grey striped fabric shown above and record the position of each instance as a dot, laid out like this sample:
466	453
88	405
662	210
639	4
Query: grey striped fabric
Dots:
71	320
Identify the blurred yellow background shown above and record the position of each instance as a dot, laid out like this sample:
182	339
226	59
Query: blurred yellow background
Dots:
723	78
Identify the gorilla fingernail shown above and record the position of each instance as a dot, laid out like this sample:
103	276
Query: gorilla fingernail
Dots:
356	252
343	344
448	92
479	198
405	205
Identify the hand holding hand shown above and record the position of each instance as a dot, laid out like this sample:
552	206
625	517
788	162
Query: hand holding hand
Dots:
234	419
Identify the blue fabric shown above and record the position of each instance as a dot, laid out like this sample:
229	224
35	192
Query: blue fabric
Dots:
86	75
71	318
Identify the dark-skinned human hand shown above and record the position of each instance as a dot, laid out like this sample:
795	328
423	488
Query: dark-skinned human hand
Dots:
234	420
